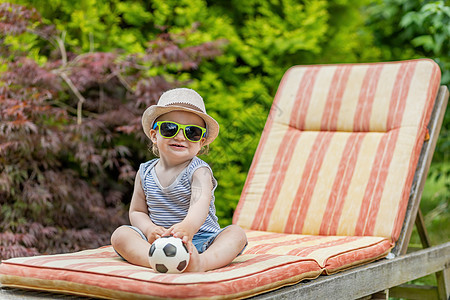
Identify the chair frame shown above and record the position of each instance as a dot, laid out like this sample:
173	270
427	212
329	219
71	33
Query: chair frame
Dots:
392	274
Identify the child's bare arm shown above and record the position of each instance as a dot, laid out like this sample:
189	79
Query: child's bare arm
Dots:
200	199
139	214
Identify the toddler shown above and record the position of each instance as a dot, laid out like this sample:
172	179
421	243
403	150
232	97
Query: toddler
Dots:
174	194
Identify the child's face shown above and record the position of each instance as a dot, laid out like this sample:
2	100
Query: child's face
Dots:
178	149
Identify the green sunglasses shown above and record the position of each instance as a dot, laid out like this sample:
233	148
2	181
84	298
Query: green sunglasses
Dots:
169	129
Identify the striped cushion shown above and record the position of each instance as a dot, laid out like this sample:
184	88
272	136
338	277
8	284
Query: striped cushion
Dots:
339	150
101	273
270	261
332	253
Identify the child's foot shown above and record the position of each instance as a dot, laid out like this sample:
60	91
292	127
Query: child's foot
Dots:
195	262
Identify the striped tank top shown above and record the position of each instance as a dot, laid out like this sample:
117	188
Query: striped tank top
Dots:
169	205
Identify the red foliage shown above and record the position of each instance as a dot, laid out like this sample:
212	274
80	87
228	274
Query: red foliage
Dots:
15	19
68	135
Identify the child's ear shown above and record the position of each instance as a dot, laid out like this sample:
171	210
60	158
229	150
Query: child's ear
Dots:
153	135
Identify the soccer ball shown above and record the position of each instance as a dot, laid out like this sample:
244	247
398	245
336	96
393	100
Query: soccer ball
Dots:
168	255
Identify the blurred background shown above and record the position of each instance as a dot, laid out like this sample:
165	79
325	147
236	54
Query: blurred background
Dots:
75	77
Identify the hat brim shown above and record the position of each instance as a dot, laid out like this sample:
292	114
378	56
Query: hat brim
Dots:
154	111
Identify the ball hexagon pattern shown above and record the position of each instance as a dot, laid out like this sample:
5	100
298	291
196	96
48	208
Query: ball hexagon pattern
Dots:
168	255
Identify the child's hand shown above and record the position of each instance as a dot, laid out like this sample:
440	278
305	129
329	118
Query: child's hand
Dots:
182	231
154	233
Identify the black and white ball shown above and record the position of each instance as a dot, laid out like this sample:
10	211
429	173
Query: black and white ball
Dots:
168	255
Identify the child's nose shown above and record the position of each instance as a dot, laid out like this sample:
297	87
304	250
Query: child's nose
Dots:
180	135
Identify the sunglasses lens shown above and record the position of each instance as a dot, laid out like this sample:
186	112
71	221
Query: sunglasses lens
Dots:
193	133
168	129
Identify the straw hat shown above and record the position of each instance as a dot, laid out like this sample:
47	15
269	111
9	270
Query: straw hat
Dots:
180	99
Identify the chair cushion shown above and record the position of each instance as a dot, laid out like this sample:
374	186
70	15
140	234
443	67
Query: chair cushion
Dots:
101	273
332	253
339	150
270	261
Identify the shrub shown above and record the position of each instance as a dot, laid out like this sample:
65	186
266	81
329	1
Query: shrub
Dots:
68	149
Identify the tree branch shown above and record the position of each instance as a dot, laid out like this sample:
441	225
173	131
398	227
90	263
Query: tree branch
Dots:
77	93
62	48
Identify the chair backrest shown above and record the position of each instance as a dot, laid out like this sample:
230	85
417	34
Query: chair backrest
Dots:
338	153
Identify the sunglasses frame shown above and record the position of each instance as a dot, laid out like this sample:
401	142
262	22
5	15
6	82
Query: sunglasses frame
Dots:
180	126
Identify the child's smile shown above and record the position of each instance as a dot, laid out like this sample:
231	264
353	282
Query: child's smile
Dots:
177	146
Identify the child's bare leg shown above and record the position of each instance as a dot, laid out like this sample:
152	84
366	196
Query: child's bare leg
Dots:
223	250
131	246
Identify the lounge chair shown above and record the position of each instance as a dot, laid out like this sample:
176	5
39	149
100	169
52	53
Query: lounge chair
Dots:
333	189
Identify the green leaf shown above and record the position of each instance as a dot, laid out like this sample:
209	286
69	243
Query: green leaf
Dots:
426	41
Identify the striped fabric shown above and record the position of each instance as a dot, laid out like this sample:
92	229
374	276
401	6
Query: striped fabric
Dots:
100	273
339	150
270	261
332	253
